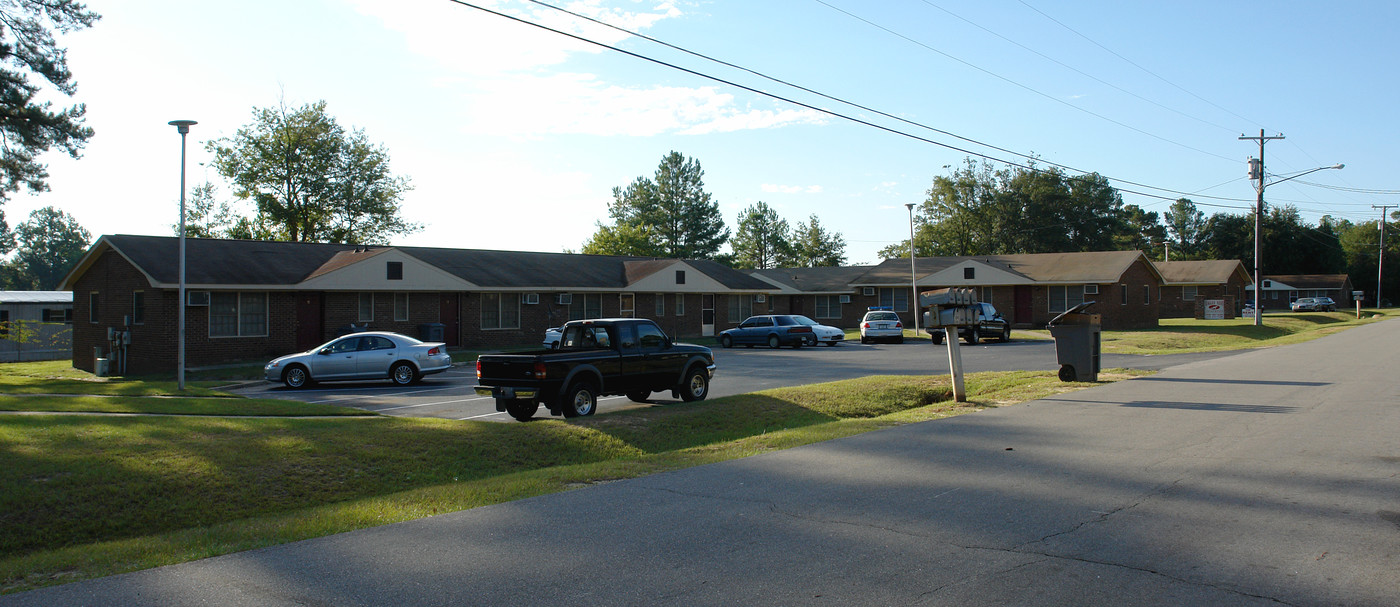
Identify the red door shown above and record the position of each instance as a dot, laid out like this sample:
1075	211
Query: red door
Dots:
310	325
1022	313
448	316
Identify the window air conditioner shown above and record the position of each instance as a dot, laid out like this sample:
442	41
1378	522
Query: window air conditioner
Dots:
760	298
845	299
532	299
867	291
564	299
197	299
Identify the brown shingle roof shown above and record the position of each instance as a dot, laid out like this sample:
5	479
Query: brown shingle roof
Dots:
1213	272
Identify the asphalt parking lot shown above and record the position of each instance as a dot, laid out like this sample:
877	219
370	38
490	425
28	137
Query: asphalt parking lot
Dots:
450	395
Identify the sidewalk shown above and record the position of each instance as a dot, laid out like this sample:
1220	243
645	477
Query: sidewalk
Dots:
1269	477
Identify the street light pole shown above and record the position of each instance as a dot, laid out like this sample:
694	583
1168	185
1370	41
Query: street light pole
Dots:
913	274
183	126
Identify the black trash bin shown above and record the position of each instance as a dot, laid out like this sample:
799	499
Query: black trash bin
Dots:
432	331
1077	339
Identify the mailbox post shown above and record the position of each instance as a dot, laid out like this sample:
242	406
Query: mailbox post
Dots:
951	308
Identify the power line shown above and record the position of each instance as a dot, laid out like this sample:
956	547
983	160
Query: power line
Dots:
1013	82
1029	167
1132	63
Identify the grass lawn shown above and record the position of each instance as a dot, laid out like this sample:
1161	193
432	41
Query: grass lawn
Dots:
91	495
1179	335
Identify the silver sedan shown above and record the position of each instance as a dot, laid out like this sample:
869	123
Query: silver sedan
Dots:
369	355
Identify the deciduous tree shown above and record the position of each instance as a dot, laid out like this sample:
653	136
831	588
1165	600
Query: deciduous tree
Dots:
49	243
311	180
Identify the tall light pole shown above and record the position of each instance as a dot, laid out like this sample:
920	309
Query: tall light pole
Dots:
913	274
184	127
1380	260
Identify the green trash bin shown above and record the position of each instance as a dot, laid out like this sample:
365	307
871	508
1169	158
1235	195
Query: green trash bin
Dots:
1077	343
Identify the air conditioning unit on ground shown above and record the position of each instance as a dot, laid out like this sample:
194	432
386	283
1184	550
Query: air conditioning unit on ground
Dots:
564	299
198	299
532	298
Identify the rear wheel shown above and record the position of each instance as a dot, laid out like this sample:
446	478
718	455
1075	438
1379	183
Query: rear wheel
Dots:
579	400
521	409
403	374
973	336
774	342
296	377
696	385
726	341
638	396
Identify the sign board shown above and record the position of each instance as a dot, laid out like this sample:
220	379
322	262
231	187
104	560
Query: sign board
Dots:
1215	309
1358	295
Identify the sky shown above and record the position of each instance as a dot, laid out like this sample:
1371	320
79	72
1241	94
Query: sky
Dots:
513	137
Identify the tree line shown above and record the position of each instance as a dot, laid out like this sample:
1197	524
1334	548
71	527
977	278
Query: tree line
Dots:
978	210
671	215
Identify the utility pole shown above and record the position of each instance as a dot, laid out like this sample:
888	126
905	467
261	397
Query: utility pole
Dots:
1256	171
1380	260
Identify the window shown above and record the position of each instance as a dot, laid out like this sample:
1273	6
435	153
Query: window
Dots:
985	295
237	314
1091	289
626	305
585	306
401	306
92	307
394	270
1123	294
138	308
969	273
896	298
680	304
58	315
828	306
650	336
4	324
1146	294
500	310
1064	297
1188	293
680	277
660	304
740	307
366	307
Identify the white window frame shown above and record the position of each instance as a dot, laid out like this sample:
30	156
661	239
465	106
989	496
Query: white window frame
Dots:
240	312
680	304
895	293
1052	297
365	297
832	307
660	305
739	308
502	304
401	314
1188	288
626	305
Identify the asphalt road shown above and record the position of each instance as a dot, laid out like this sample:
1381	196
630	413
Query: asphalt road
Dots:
740	370
1271	477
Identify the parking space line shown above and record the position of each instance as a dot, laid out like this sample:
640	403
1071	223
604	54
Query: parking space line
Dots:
444	402
462	419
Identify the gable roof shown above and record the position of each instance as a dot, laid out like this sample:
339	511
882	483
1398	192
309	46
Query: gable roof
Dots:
1311	281
243	263
813	280
1044	268
1213	272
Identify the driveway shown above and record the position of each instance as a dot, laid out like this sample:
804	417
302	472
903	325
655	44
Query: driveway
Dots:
741	370
1267	478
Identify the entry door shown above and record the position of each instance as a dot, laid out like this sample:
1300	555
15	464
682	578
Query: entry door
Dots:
707	315
309	321
1022	311
448	316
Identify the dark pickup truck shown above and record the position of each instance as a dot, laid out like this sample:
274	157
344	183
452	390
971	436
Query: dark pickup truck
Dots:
628	356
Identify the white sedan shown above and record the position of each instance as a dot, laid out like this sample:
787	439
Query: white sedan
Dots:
825	334
552	336
368	355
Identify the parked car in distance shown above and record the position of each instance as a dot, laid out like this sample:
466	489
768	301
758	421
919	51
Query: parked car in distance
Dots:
368	355
823	334
773	330
990	323
1313	304
552	336
881	323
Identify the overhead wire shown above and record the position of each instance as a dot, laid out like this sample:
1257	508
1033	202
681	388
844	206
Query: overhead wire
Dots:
1029	167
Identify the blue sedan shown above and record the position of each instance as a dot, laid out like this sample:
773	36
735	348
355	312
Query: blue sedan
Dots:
774	330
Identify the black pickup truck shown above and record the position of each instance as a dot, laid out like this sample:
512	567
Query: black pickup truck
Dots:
628	356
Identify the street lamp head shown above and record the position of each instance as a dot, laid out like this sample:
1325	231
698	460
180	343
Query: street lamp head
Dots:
909	205
183	125
1338	166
